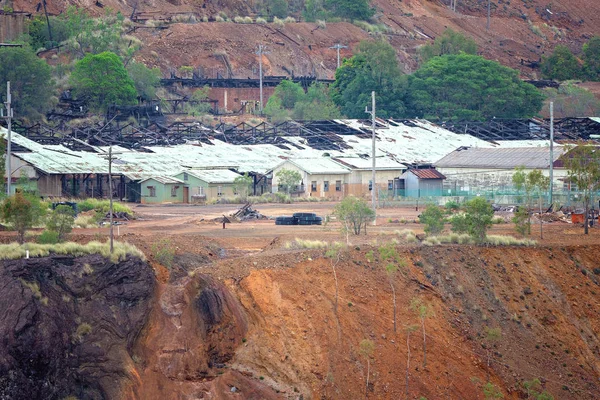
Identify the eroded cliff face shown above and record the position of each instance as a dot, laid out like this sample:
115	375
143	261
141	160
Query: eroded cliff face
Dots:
88	328
67	326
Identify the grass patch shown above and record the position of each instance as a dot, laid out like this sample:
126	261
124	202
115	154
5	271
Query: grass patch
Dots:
102	206
15	251
306	244
86	221
495	240
408	235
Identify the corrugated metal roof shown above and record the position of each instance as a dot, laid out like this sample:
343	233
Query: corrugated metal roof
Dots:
316	166
165	180
410	142
503	158
428	173
381	163
595	119
404	142
214	175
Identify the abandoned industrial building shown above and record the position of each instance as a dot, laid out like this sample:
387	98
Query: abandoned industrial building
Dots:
191	163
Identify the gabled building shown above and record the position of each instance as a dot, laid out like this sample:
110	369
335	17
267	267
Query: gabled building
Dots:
321	177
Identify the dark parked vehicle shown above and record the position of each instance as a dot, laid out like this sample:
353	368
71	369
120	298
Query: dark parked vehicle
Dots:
300	219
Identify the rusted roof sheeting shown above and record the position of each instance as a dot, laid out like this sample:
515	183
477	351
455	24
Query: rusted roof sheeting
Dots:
429	173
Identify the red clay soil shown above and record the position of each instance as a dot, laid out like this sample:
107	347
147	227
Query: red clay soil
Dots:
304	48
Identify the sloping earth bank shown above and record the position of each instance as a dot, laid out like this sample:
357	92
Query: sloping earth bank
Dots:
273	331
520	31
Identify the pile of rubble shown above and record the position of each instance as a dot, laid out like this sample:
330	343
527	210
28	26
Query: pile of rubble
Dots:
245	213
557	216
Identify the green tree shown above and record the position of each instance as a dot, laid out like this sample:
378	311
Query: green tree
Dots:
354	214
275	111
367	347
288	179
38	35
313	10
98	35
591	58
145	79
492	335
583	167
478	218
392	262
562	65
242	185
103	80
423	311
433	218
289	93
275	8
449	42
334	253
470	87
373	68
22	212
315	105
198	106
61	221
571	101
533	183
30	79
350	9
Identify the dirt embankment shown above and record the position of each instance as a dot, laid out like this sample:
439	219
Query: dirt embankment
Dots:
266	326
68	324
275	331
521	32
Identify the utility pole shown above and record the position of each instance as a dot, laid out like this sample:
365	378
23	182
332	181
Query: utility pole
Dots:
110	194
9	116
551	150
260	52
338	47
489	7
373	149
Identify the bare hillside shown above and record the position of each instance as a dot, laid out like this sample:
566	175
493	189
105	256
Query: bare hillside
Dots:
521	32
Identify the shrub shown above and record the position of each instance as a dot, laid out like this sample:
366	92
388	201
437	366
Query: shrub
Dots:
15	251
261	21
354	213
85	221
433	218
48	237
22	212
61	221
164	252
452	206
306	244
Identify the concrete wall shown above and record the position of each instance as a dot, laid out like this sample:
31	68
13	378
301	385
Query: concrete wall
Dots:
163	192
231	99
11	25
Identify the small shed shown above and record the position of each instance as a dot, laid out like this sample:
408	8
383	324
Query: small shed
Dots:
162	189
211	183
420	183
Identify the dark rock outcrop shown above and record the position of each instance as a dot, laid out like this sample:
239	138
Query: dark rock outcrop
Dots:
68	325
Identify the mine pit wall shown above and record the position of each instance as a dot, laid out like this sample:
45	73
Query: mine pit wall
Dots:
109	331
12	26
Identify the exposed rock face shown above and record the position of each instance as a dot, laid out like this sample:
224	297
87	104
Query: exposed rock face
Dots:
68	324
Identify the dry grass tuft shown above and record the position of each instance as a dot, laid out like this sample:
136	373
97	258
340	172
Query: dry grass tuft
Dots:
15	251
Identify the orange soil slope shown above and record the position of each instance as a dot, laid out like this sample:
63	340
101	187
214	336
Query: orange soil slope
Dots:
545	300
